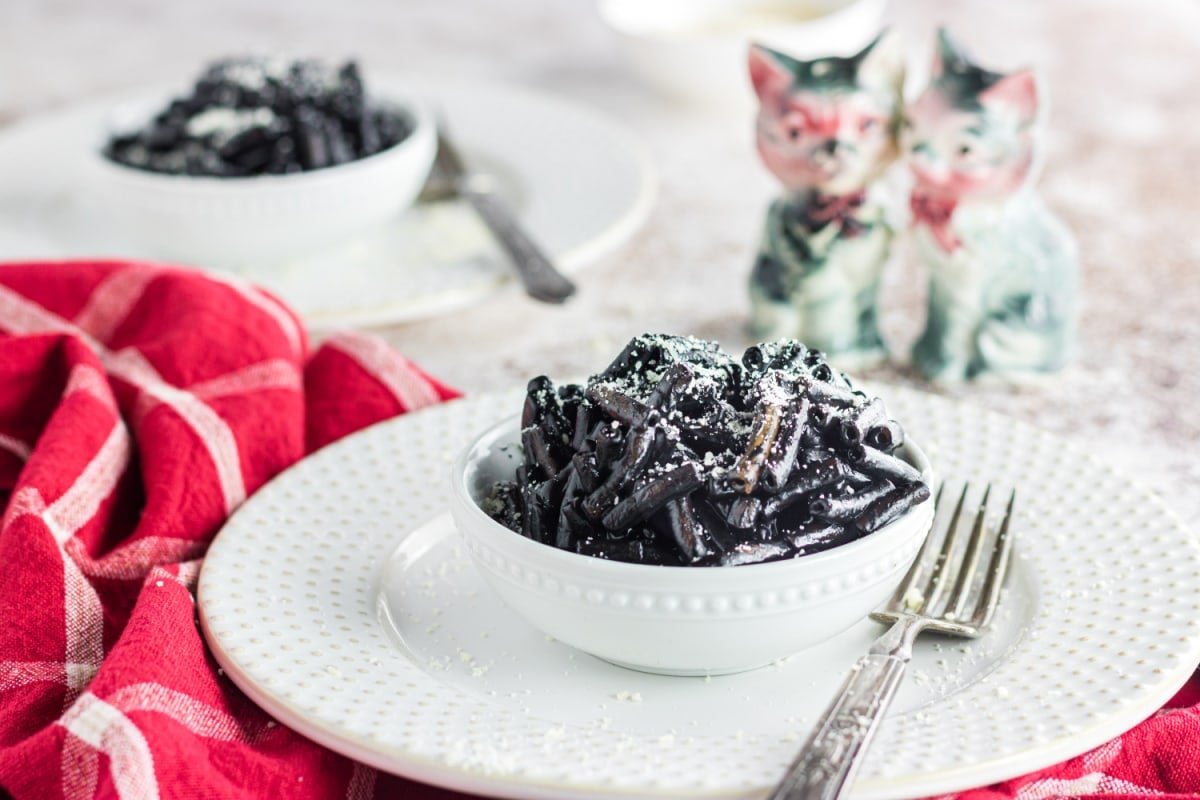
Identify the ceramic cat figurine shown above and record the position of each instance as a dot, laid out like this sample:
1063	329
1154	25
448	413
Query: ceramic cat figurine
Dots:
1003	270
827	130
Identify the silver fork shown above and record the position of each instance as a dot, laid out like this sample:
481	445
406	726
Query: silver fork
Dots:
449	176
937	594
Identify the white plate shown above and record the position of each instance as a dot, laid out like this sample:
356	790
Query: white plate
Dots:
578	180
341	600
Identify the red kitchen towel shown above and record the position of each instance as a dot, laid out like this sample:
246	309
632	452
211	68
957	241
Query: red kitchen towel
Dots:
139	405
1158	758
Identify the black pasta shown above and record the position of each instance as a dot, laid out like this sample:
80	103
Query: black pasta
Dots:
263	116
677	454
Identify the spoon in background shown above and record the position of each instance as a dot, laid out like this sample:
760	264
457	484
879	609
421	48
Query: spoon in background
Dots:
450	178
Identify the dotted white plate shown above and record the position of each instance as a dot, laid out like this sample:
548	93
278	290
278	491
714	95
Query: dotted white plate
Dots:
340	599
579	181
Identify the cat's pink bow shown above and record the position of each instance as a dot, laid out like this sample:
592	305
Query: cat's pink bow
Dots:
824	209
935	211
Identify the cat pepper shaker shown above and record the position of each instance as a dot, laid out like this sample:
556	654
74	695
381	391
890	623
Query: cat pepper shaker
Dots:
1003	269
827	130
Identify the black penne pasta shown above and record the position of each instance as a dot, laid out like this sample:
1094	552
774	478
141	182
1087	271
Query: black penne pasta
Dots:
781	460
744	476
771	355
341	151
822	372
619	406
568	403
687	531
847	506
854	426
557	427
599	501
639	445
706	437
813	529
753	553
586	471
773	386
569	497
817	535
647	499
822	415
744	511
821	392
550	495
673	383
626	360
768	531
811	438
891	506
607	441
369	138
572	525
543	410
858	480
886	436
532	513
823	422
537	393
636	550
537	453
556	431
581	527
583	426
720	536
807	479
881	465
570	395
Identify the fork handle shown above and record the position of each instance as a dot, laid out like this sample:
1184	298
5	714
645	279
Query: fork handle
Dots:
539	276
835	749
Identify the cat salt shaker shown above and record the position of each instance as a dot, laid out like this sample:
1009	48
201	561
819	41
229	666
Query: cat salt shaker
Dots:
1002	269
827	130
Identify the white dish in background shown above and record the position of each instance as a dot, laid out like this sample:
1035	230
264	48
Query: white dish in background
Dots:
678	620
579	181
334	602
235	222
697	49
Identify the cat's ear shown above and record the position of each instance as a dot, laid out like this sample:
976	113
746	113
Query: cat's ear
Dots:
769	72
881	63
947	56
1018	91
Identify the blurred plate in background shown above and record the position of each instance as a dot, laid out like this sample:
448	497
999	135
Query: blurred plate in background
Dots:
579	181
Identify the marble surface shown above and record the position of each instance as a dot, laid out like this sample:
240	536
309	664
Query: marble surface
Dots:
1123	167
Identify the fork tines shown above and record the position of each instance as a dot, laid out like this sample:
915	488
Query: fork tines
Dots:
954	584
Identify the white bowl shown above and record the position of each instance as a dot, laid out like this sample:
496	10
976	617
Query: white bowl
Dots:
678	620
228	222
696	49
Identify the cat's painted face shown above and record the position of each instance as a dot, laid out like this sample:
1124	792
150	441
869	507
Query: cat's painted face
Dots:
971	134
828	125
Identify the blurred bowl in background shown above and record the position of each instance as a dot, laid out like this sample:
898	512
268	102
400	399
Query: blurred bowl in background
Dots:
695	50
232	222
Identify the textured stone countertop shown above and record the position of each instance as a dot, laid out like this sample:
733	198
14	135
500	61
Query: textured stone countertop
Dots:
1123	170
